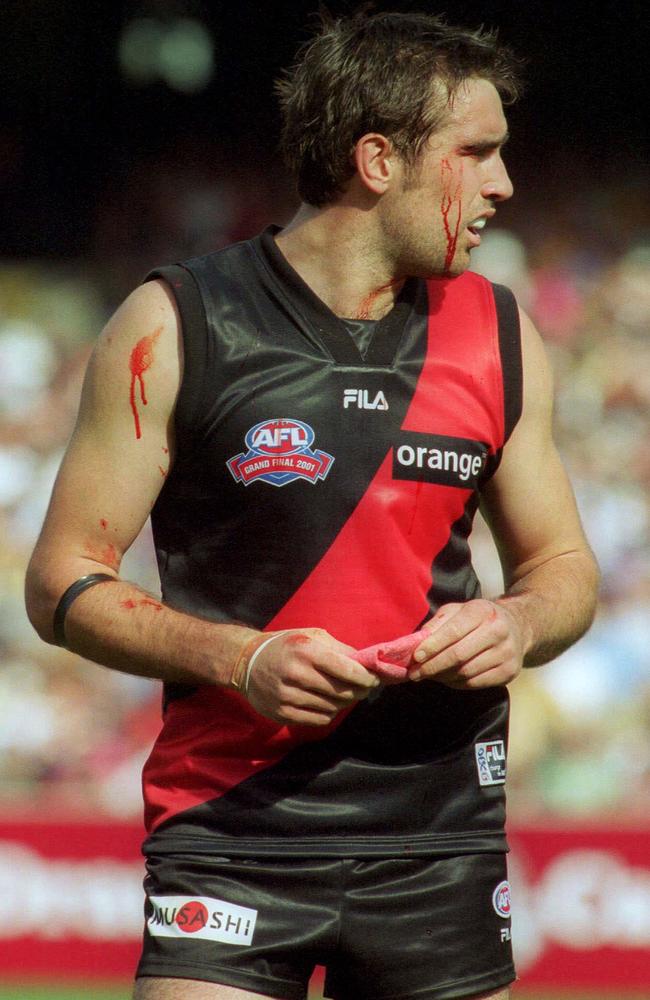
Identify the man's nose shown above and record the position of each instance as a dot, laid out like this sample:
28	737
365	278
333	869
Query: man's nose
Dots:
499	186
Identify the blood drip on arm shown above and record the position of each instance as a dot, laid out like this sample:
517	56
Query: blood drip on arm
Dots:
140	361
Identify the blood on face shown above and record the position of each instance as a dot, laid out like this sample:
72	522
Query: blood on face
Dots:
451	208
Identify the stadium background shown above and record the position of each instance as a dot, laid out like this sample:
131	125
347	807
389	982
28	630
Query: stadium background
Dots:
133	133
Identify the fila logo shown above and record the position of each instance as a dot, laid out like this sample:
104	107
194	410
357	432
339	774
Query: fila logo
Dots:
491	762
361	399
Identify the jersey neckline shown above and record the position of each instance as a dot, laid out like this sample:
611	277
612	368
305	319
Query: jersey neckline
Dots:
330	328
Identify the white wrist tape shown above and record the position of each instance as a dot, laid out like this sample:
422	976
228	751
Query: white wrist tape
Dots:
257	652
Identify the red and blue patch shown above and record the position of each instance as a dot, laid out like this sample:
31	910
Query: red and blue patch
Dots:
279	452
501	900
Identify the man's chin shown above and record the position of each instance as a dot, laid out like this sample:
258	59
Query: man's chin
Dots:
453	270
458	265
440	268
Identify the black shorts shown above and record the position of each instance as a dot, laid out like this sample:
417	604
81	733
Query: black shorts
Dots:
425	928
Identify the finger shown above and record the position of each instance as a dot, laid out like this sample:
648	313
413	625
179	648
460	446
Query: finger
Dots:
326	674
344	672
487	644
317	650
442	615
304	701
309	686
291	715
486	659
297	701
450	630
341	690
497	676
474	626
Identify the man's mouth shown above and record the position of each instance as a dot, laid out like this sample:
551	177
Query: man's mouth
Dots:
476	226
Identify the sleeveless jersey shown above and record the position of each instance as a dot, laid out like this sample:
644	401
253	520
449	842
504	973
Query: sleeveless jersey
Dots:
314	487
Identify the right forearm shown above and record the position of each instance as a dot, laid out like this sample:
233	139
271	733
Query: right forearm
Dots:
306	677
122	627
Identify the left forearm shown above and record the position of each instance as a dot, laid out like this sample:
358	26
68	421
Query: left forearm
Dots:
548	604
553	604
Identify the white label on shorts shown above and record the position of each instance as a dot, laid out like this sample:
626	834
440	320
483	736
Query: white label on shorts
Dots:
201	917
491	762
501	900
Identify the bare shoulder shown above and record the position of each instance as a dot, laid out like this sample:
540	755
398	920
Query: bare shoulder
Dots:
151	303
538	387
141	344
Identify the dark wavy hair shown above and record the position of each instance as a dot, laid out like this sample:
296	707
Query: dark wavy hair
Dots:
386	72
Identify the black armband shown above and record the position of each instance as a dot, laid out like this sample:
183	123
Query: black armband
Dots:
71	595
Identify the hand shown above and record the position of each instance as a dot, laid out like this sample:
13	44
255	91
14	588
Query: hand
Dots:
307	677
474	645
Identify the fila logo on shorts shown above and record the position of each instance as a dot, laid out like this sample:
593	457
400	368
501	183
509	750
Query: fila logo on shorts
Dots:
201	918
491	762
361	399
279	452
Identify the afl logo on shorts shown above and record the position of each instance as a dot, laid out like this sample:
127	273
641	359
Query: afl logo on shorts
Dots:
279	452
501	900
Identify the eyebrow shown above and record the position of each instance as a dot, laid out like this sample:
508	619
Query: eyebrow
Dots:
486	145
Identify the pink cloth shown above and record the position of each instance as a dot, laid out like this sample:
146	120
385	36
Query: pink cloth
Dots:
391	660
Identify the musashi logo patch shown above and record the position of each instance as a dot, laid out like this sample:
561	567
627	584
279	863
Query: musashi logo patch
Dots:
279	451
491	762
202	918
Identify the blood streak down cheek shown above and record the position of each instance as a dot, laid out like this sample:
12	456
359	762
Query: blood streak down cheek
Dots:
451	207
140	360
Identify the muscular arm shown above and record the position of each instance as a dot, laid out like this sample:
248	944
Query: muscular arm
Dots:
550	573
115	465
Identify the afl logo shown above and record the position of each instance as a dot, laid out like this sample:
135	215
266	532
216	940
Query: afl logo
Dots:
501	899
279	451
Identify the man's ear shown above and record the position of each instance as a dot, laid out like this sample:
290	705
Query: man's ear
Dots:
375	160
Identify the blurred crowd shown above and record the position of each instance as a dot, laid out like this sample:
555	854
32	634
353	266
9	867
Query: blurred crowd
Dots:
73	736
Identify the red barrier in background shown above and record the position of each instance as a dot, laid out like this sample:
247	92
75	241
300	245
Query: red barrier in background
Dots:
70	900
71	904
581	899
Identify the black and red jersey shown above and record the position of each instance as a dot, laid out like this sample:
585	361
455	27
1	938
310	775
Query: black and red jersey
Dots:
316	487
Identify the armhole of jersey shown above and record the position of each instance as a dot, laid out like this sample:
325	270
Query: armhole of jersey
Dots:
194	330
511	360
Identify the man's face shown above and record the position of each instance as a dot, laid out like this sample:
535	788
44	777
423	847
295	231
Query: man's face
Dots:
434	213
